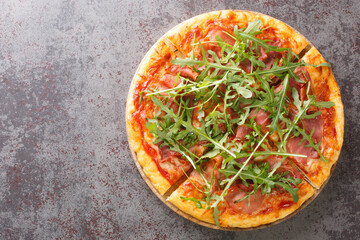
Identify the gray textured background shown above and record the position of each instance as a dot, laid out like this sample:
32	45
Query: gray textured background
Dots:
65	166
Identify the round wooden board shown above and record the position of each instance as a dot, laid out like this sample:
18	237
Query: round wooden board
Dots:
164	197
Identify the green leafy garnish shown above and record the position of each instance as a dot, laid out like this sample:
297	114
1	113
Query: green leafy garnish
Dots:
224	96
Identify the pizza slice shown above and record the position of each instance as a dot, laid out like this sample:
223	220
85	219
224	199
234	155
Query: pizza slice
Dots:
160	164
249	202
320	132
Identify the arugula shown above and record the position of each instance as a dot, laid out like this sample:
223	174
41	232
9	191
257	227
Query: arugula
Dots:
264	179
223	96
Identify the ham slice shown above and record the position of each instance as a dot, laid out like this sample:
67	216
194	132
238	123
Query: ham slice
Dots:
241	132
293	146
285	166
300	87
186	72
268	58
213	46
220	32
199	148
169	81
167	154
173	105
278	88
246	65
208	46
222	127
236	192
310	124
261	118
208	172
275	42
229	111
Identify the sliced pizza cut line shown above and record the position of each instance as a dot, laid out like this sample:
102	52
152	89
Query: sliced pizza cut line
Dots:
173	48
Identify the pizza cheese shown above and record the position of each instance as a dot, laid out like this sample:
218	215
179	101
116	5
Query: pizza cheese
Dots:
251	127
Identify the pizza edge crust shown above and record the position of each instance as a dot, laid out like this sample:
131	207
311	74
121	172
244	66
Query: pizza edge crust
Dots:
176	34
146	165
317	76
228	220
189	207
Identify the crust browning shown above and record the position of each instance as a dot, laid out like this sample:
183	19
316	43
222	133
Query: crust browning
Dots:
227	218
326	89
137	135
197	28
186	189
246	221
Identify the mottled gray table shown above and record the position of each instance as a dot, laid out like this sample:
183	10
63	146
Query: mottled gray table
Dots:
65	166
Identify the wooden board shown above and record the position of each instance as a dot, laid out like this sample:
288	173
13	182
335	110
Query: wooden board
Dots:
174	187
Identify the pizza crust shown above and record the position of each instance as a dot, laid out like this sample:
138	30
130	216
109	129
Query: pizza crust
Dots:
189	207
246	221
134	131
226	218
325	89
183	34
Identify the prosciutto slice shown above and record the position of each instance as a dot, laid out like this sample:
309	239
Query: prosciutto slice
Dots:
213	46
211	167
295	146
169	81
310	124
268	58
317	124
261	118
199	148
285	166
220	32
241	132
236	192
208	46
246	65
186	72
300	87
167	155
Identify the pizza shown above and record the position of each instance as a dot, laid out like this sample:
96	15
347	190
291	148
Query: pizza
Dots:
235	118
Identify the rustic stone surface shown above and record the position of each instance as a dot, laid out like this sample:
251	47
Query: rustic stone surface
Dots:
65	166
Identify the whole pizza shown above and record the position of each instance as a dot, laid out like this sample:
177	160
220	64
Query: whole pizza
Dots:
235	119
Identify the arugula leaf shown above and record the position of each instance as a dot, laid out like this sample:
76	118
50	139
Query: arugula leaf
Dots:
216	215
323	104
281	103
253	27
243	91
198	203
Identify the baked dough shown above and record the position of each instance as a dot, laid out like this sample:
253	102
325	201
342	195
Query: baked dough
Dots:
156	64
